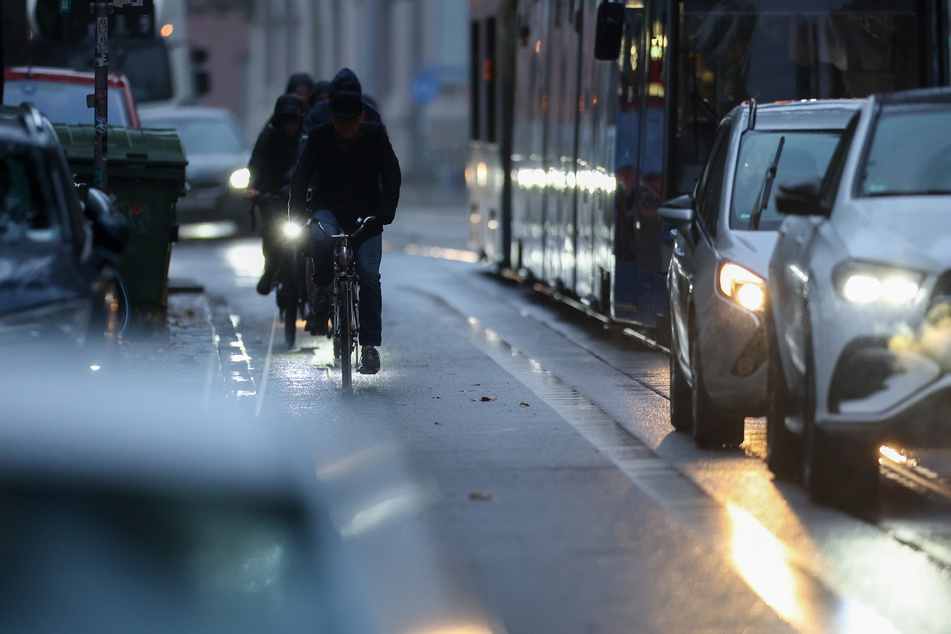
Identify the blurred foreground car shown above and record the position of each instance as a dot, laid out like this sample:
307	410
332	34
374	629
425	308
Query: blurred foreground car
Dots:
218	153
55	253
60	94
725	234
860	292
121	512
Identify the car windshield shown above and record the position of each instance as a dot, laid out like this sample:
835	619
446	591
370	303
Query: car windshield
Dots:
910	153
63	102
25	207
204	135
805	154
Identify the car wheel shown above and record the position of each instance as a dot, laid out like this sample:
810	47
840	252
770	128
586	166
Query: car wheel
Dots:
783	447
681	400
838	471
712	426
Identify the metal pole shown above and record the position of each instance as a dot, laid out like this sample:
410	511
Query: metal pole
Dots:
101	96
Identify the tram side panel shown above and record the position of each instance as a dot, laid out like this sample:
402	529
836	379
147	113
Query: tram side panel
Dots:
594	169
530	125
563	82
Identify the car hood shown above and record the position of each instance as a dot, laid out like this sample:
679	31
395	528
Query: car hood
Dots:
909	230
749	249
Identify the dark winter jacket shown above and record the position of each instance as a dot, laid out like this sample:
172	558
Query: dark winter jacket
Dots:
274	152
352	179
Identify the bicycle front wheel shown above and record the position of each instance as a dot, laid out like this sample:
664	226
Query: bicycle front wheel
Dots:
345	333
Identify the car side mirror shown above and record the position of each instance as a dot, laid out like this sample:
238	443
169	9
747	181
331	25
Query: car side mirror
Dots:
680	214
609	28
110	231
801	198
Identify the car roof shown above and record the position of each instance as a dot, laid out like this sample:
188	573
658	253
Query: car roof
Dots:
125	434
24	124
812	114
65	75
922	95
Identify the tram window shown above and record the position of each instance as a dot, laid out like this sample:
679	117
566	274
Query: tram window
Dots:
475	79
789	51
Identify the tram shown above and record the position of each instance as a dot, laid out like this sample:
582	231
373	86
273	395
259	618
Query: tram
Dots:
586	116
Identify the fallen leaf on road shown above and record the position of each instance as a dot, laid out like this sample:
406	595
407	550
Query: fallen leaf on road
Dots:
487	398
480	495
523	404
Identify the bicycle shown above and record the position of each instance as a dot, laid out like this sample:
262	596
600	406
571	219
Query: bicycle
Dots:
345	320
291	284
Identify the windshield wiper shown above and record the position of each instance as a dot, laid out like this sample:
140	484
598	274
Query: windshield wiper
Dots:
763	199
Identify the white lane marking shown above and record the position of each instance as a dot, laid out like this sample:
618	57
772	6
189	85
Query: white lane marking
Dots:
267	367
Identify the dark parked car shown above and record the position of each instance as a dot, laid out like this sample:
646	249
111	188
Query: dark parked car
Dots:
217	174
55	252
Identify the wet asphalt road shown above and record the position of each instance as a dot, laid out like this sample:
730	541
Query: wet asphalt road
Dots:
529	451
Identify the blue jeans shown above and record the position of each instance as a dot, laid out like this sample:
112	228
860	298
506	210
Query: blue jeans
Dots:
368	256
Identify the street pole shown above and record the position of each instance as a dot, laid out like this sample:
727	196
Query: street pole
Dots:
101	97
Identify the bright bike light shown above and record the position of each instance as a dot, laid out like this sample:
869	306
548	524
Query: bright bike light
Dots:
890	288
743	287
292	230
240	178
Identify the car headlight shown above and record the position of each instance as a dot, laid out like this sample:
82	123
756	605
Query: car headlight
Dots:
240	178
867	284
742	286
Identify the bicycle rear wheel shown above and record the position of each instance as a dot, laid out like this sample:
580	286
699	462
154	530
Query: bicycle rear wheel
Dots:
290	287
345	333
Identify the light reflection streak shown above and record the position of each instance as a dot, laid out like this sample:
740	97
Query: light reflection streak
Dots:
766	566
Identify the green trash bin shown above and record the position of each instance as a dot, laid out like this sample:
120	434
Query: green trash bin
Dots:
145	173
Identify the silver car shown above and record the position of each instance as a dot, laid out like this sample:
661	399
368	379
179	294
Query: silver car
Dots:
724	236
218	152
860	289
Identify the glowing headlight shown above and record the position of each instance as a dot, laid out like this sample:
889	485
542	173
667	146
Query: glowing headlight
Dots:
743	287
240	178
292	230
888	287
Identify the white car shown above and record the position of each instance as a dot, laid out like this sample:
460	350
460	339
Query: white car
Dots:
860	291
724	236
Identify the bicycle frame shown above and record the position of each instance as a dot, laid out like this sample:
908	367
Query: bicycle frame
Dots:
346	320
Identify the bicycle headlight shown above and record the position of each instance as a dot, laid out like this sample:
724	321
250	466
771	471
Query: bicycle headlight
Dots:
870	283
240	178
742	286
292	230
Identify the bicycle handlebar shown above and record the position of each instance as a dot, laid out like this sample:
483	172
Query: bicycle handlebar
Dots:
361	225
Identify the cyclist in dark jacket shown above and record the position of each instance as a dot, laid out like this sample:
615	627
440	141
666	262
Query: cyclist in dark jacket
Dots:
354	173
272	159
319	114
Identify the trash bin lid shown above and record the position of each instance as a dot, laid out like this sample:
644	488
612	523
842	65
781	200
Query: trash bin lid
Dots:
127	146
